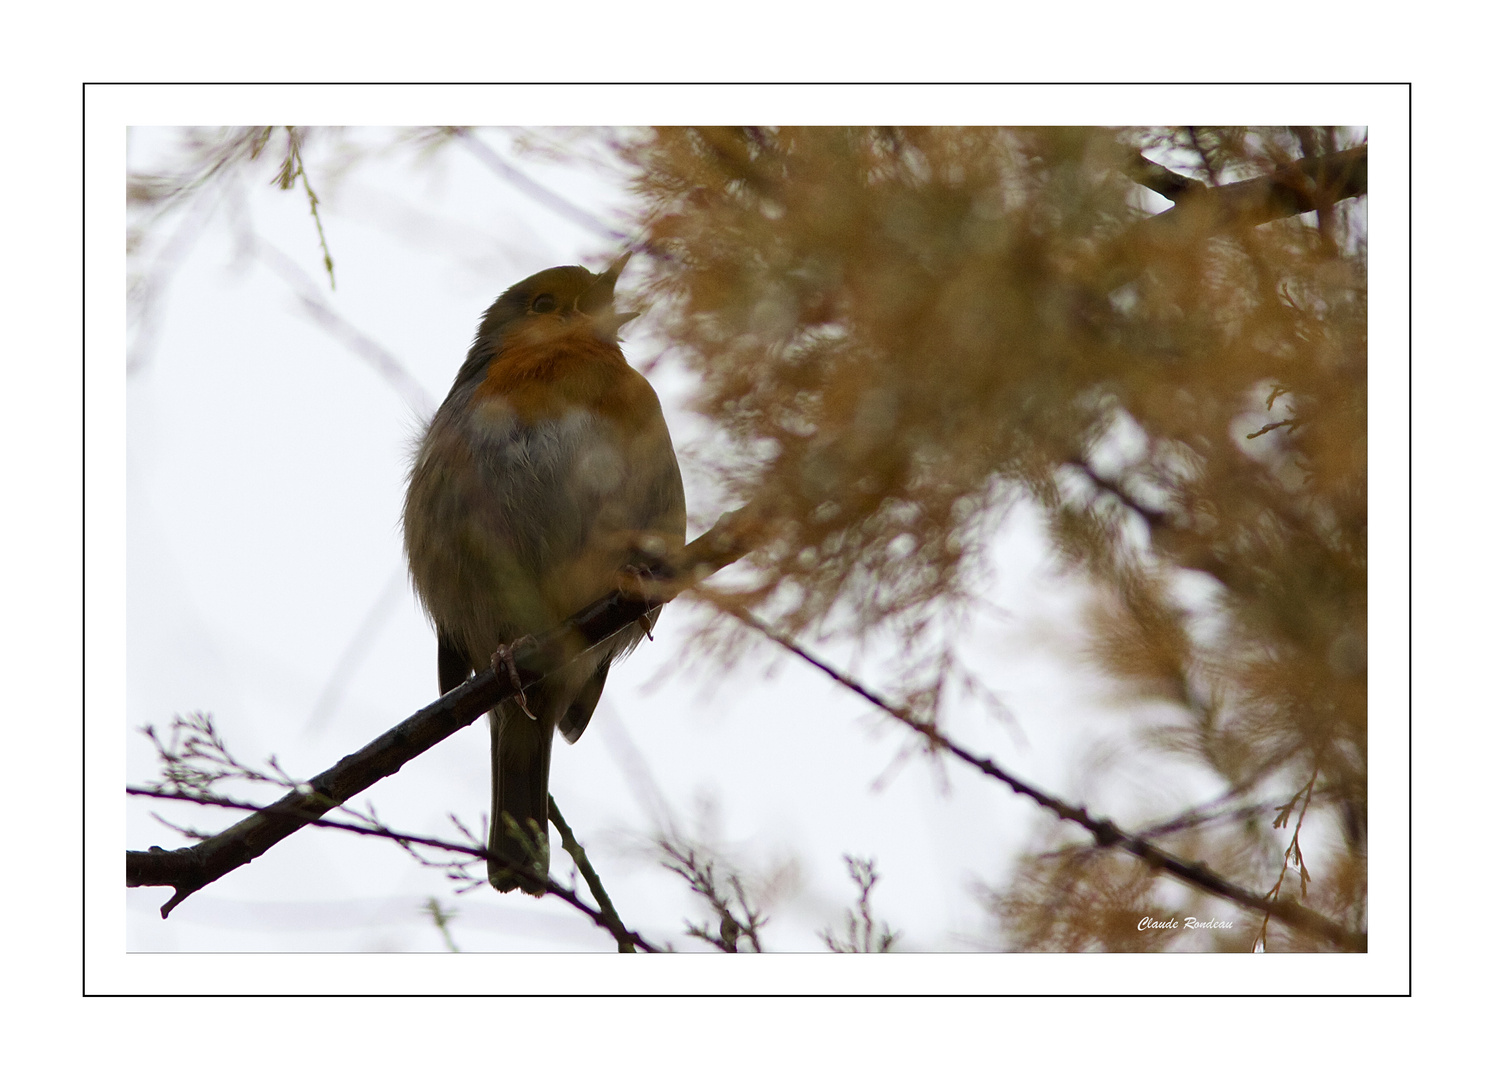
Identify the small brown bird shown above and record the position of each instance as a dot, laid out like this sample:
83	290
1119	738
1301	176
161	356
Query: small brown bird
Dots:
546	472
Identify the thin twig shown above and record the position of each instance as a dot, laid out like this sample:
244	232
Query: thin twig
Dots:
1293	851
593	880
1105	832
442	918
537	191
554	200
612	925
863	934
190	869
1204	815
700	874
385	363
293	168
1271	427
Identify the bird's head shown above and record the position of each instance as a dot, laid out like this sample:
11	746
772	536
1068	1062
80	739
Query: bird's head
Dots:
560	300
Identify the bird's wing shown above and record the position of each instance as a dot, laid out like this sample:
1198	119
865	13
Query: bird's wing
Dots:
578	715
452	667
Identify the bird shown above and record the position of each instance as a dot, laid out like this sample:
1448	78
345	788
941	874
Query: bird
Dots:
546	473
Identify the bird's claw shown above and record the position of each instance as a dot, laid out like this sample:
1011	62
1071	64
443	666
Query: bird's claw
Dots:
503	660
640	577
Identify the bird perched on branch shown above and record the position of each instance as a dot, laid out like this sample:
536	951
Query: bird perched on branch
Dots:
545	474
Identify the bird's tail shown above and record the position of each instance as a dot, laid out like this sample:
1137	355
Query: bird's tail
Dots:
521	794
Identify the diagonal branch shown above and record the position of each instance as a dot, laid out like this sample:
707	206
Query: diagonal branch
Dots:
1170	185
1105	832
1293	189
385	364
1304	185
535	190
189	869
606	917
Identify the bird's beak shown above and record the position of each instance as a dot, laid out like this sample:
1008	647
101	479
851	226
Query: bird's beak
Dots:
597	300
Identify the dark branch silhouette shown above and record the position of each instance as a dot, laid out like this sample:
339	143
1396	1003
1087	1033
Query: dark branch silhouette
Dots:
189	869
1201	211
1105	832
1170	185
604	916
1298	188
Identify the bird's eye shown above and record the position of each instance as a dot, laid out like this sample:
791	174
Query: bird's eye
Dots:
544	302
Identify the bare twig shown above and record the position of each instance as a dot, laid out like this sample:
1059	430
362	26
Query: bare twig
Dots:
148	863
700	874
552	199
293	168
442	917
1105	832
1293	853
1271	427
1208	814
535	190
189	869
385	363
593	880
863	933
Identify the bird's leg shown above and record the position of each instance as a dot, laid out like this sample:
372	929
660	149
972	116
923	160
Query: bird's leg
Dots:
503	660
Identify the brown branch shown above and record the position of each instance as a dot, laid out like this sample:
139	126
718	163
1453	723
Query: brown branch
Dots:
1305	185
1298	188
189	869
1170	185
1293	851
1105	832
1153	518
627	940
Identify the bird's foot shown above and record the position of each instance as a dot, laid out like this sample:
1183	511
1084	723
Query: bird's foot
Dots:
642	579
503	661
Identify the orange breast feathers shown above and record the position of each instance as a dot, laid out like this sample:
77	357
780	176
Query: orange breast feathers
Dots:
542	376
